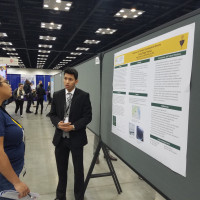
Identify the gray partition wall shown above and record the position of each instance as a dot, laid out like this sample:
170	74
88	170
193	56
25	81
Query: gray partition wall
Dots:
89	81
169	183
58	82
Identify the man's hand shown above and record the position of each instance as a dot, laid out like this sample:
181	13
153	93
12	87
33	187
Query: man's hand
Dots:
22	188
66	127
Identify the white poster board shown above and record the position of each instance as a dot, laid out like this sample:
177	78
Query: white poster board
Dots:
3	70
151	90
31	78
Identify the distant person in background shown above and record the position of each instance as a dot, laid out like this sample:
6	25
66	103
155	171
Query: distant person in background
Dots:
33	93
11	147
49	93
27	89
19	98
38	85
40	98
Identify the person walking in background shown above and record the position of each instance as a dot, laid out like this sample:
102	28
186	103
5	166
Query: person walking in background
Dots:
11	147
70	113
19	98
38	85
40	98
33	92
27	89
49	93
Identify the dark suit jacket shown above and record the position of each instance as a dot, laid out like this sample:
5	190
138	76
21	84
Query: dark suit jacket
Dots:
80	115
40	93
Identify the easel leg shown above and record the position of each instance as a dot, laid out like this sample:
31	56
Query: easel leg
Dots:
111	168
92	166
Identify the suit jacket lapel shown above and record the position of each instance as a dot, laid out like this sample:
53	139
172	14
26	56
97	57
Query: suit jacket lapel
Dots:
63	103
75	96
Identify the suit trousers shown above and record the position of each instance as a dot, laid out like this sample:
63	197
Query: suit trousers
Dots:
62	151
39	101
28	105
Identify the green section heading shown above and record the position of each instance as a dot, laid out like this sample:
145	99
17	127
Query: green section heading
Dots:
118	92
166	106
165	142
140	62
138	94
180	53
120	66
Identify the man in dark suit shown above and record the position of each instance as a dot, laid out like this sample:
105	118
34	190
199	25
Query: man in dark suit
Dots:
70	113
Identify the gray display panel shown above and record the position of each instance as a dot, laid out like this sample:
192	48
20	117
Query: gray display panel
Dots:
89	81
172	185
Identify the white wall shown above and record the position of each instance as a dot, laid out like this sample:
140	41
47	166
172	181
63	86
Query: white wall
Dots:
32	71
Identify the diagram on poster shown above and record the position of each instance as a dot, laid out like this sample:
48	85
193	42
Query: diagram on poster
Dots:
151	91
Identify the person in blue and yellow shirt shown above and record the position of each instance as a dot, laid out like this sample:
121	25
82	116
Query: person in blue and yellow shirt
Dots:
11	147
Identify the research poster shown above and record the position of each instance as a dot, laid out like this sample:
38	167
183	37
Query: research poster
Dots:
3	70
151	92
31	78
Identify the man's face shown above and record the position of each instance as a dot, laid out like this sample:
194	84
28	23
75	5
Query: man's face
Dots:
70	82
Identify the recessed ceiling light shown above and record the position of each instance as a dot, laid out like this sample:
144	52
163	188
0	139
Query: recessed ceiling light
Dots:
14	54
45	45
82	49
129	13
71	57
91	41
3	35
57	5
75	53
44	51
6	43
42	55
9	49
47	38
51	25
46	6
106	31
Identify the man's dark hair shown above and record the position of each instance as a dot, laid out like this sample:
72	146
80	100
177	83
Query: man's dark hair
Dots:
73	71
19	84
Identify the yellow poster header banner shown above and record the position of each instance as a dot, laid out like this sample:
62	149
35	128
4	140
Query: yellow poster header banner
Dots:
174	44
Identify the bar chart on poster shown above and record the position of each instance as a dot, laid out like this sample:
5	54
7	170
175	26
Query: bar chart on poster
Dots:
151	93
